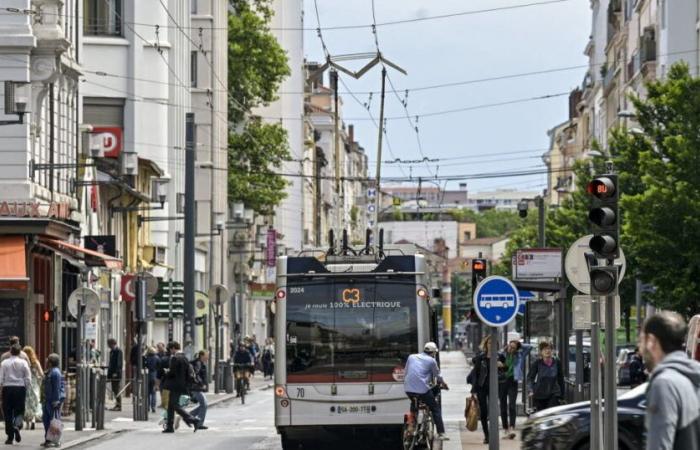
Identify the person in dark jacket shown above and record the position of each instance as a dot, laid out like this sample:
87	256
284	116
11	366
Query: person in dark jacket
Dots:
479	380
637	374
54	395
178	380
114	371
515	354
151	362
546	379
243	364
199	387
673	397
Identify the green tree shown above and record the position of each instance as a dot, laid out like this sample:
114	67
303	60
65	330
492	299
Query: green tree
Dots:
662	219
253	157
257	65
490	223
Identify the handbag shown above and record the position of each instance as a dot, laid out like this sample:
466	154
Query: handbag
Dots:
55	431
472	413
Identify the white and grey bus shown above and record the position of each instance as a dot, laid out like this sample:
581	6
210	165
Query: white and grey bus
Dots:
344	327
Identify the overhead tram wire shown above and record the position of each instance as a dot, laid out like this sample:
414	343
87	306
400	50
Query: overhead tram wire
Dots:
381	128
15	11
413	126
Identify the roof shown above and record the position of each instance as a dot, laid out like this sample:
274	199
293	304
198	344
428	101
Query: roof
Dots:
484	241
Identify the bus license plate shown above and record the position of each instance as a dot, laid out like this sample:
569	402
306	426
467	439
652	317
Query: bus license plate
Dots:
354	409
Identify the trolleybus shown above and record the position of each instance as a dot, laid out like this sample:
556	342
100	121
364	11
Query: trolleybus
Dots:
344	327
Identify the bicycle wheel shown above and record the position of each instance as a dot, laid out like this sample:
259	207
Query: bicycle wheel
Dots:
243	392
429	431
409	437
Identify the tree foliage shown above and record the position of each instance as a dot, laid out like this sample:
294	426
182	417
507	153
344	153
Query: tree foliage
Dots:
490	223
253	158
257	65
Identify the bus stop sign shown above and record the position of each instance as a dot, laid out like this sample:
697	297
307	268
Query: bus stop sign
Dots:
496	301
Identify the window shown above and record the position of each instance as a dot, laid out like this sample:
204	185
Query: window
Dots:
193	68
193	6
467	235
102	18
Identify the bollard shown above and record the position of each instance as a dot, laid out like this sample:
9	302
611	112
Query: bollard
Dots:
100	399
228	377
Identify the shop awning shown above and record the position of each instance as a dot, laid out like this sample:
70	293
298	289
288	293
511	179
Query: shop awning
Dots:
13	263
92	258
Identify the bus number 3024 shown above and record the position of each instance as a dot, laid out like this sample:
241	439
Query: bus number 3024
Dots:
296	290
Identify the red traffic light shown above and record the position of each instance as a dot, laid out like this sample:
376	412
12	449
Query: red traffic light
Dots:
602	187
479	265
47	316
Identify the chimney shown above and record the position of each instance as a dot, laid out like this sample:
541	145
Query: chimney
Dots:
351	133
462	186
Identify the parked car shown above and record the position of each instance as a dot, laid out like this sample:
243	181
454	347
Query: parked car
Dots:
568	427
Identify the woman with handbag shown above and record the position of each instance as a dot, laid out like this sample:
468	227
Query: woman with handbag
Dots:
479	380
54	396
546	379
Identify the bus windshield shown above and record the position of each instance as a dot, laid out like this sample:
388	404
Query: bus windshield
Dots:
350	332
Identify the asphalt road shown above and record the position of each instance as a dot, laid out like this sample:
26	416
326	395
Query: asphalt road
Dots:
233	426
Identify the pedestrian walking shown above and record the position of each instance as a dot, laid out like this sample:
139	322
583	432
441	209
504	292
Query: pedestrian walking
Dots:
268	358
508	387
178	379
546	379
54	394
15	378
479	380
163	368
673	396
32	407
151	363
160	350
199	387
114	371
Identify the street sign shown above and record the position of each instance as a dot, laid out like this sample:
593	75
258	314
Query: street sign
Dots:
537	264
577	269
89	298
371	193
371	208
525	296
218	294
496	301
581	310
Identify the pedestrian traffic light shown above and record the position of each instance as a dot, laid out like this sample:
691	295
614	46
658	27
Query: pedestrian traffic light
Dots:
603	280
605	217
47	316
478	272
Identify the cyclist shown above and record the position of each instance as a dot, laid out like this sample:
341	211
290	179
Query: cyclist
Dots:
421	370
242	363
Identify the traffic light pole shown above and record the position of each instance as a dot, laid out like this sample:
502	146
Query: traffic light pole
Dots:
190	231
610	375
493	391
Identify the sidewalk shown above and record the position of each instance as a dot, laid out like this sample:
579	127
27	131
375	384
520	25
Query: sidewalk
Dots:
455	370
120	422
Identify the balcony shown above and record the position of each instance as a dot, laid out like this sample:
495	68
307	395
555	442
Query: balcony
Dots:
609	79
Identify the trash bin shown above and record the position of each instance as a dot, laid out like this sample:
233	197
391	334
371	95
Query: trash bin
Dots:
227	374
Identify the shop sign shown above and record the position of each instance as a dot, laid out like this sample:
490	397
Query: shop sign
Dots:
104	244
54	210
262	291
106	141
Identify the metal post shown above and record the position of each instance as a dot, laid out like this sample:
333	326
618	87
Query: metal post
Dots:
190	230
610	375
217	347
139	400
596	401
541	238
638	302
79	375
241	305
578	396
493	391
379	155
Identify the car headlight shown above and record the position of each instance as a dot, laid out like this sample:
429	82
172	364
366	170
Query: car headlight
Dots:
547	423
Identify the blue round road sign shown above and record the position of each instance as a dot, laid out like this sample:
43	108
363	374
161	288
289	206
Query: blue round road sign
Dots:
496	301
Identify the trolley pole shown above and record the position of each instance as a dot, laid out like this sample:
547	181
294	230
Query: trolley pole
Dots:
190	230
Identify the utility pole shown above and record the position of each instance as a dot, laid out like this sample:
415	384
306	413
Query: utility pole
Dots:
190	230
340	206
596	404
379	153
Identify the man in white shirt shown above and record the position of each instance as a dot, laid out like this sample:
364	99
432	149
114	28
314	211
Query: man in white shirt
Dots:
14	340
15	376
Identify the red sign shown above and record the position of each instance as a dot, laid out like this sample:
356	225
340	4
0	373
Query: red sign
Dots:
128	290
271	250
108	140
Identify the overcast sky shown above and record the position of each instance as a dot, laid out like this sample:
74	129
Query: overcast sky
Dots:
462	48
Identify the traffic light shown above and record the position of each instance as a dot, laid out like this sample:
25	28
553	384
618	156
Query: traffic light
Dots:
604	214
603	280
47	316
478	272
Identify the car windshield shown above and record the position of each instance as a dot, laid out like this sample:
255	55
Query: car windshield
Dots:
633	393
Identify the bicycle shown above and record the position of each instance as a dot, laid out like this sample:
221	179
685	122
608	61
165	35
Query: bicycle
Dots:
419	429
242	373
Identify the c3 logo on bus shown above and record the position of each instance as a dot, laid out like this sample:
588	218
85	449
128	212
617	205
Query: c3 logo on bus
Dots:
351	296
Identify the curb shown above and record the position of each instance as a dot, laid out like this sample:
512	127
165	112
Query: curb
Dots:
94	437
